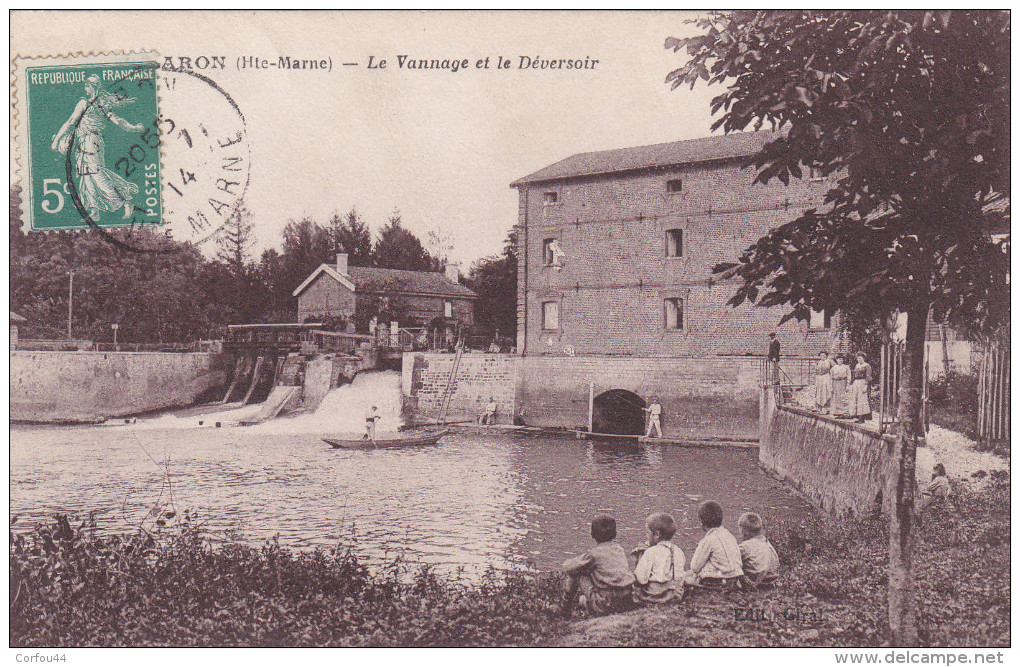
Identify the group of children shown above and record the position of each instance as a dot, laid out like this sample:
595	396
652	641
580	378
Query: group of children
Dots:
602	581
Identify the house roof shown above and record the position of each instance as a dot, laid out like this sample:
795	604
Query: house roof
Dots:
369	279
690	151
17	319
331	272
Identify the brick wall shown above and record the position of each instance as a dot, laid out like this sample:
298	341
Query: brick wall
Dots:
325	297
615	274
700	397
480	376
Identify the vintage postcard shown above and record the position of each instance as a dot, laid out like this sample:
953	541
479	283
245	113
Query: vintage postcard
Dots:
511	329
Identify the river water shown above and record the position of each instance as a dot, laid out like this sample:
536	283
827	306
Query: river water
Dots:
473	501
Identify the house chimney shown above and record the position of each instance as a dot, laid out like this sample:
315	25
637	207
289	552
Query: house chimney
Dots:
453	272
341	263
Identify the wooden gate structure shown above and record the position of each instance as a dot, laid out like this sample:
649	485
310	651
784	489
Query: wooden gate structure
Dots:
993	397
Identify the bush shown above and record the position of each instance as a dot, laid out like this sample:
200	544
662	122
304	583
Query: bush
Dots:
74	587
953	403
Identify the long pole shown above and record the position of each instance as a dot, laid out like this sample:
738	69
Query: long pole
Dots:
70	301
591	405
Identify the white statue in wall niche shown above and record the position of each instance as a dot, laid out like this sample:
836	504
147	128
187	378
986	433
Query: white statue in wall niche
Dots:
558	256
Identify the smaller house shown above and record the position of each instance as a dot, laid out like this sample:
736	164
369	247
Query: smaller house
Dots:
357	298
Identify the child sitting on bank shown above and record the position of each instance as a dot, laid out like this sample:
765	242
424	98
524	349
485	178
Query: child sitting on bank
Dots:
938	490
599	580
716	561
660	567
759	559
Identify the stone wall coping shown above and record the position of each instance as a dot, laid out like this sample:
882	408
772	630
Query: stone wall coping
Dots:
86	353
853	426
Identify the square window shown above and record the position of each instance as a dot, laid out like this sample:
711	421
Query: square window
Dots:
448	309
674	185
674	242
550	315
674	312
550	198
819	320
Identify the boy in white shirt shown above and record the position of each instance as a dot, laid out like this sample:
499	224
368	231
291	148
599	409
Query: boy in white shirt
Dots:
759	557
716	562
659	575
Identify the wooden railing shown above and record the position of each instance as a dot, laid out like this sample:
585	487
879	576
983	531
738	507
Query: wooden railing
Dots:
333	341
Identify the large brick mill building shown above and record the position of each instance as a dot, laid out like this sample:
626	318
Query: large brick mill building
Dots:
616	290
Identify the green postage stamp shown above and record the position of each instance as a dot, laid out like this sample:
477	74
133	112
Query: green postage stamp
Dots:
89	141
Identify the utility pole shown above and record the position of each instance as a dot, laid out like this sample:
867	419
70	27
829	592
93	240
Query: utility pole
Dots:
70	301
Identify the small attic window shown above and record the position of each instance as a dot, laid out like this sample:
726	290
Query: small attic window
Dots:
674	185
550	198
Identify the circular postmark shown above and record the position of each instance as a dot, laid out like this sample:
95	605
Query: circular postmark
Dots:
206	156
190	165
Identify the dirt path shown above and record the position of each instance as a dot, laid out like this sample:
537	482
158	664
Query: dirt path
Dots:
962	460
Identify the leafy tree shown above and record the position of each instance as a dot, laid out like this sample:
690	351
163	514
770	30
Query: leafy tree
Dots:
234	241
908	113
494	280
306	245
272	284
399	248
350	235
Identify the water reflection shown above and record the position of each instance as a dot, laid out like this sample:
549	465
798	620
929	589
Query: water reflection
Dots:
473	501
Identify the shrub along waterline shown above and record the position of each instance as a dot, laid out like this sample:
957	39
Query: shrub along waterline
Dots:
75	587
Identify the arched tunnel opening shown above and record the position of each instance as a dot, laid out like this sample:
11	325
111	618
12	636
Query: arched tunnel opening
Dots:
618	412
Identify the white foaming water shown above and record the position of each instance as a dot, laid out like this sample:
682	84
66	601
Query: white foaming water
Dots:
342	411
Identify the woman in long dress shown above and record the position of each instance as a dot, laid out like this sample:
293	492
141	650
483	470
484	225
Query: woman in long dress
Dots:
823	381
99	188
840	375
860	408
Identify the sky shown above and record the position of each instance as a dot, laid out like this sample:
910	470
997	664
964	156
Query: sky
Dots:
440	146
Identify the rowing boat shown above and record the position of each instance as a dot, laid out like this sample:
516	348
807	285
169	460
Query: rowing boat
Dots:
410	440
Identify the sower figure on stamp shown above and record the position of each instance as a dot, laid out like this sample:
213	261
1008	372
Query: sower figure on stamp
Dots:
100	189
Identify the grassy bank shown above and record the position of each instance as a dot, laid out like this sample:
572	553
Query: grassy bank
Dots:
78	588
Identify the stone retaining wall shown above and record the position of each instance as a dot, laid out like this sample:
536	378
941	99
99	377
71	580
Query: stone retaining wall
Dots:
87	386
838	466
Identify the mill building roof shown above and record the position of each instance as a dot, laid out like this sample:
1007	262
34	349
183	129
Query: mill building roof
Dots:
690	151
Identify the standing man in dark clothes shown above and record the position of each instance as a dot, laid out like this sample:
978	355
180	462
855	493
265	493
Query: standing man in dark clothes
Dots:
774	357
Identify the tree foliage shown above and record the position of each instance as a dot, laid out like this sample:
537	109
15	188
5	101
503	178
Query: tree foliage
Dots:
350	235
182	296
908	112
494	280
399	248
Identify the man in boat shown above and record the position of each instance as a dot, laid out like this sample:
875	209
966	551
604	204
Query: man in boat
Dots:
371	417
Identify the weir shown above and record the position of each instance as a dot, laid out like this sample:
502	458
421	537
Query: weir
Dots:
291	366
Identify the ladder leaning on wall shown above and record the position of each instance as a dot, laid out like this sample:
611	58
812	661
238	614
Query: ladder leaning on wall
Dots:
450	384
